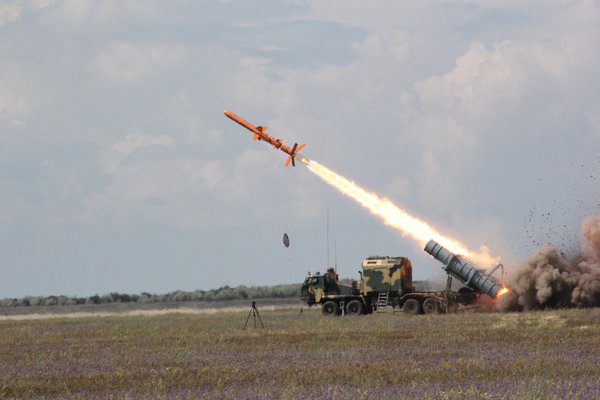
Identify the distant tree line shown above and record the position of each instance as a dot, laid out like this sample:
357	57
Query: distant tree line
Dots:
222	293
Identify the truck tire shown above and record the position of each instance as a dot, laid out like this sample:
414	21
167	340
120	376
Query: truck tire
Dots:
412	307
430	306
354	307
330	308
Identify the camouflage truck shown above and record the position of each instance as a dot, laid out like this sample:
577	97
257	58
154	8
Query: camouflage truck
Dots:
384	282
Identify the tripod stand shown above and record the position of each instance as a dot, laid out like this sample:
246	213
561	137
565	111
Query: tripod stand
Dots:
254	312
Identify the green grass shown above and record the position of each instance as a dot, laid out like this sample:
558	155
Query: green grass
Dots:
538	355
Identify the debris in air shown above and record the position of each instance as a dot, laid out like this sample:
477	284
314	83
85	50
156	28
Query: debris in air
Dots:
286	240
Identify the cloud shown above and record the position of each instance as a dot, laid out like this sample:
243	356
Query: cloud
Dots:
12	12
137	141
112	159
482	80
15	97
187	193
72	14
128	62
394	44
9	13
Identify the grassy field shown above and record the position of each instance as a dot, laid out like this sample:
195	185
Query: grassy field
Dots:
538	355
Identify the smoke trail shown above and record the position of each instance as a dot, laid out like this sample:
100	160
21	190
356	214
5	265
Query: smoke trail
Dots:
547	279
394	216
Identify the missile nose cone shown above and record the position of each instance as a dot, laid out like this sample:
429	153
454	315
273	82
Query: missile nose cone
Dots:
230	115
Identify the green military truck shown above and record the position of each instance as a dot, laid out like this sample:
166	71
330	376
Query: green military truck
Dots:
384	282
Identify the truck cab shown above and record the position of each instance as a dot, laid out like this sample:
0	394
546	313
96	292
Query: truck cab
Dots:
317	286
312	289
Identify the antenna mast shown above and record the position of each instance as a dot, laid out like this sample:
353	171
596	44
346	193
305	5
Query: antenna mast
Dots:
327	237
335	252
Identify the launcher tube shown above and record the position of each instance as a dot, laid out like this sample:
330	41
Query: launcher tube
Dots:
462	270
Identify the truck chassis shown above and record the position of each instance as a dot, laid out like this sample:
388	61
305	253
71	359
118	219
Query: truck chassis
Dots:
412	303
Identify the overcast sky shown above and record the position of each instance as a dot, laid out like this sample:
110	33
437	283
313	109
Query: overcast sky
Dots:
119	171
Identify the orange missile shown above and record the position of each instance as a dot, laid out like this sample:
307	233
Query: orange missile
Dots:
260	133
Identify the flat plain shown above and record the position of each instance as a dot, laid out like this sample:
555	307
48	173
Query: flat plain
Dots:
180	354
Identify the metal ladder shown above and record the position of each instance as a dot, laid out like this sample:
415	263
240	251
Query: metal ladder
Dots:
382	300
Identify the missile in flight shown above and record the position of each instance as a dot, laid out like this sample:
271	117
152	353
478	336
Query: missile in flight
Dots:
260	133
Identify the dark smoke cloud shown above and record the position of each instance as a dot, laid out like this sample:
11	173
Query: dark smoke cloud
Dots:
548	280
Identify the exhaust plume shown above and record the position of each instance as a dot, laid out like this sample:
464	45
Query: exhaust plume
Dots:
548	279
396	217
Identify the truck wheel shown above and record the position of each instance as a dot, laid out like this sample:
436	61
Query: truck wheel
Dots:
355	307
330	308
430	306
412	307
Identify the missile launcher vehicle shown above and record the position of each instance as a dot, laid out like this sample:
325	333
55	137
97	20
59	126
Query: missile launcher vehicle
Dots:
387	282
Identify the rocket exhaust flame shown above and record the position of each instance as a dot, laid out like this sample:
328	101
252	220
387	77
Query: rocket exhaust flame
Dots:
394	216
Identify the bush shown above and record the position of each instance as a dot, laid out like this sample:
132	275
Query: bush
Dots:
220	294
